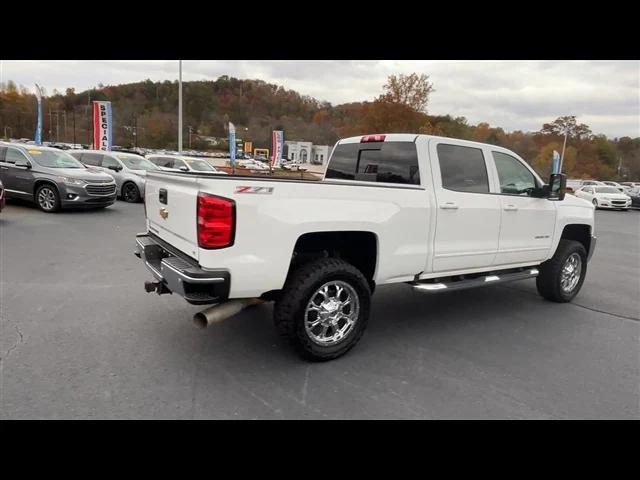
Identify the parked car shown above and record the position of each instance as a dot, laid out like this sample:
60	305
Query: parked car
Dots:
127	169
584	183
635	198
633	186
53	179
1	196
252	165
180	163
604	197
622	188
438	214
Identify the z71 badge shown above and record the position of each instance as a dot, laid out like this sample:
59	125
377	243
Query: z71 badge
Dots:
260	190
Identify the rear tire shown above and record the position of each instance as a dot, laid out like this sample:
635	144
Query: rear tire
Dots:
47	198
130	192
324	309
561	277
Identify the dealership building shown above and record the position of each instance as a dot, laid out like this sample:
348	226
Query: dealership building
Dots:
306	152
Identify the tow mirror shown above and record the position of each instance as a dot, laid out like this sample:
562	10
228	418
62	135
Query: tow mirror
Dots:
557	186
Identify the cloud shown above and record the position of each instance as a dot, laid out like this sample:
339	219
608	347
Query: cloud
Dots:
515	95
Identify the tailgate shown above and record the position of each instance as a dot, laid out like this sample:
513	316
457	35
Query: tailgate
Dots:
171	206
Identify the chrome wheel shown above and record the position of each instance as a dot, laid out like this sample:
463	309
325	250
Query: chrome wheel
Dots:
570	275
331	313
46	198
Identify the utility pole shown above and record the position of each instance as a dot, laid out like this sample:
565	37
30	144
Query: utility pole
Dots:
190	132
50	122
64	114
179	106
74	126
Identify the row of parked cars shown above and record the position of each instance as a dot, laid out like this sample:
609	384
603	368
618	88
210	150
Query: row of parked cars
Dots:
607	194
54	179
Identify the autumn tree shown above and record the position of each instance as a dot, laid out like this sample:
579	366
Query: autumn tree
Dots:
412	90
566	124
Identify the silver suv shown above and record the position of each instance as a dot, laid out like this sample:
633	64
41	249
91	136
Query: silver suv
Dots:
52	178
127	169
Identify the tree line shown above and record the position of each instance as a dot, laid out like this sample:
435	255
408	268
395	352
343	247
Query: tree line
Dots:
149	110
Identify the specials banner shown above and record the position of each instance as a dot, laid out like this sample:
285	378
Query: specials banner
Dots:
102	126
278	147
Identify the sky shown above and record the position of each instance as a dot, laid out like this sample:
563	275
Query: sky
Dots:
514	95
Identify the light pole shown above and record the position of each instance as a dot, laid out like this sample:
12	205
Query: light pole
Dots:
179	106
5	131
566	132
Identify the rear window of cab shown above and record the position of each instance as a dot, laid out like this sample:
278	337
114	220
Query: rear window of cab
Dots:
381	162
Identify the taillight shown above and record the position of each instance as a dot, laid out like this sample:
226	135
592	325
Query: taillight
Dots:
216	221
372	138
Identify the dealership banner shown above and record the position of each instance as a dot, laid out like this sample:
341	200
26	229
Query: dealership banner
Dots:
102	126
38	138
278	147
232	144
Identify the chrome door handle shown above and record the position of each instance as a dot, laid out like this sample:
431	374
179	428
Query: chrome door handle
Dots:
511	208
449	206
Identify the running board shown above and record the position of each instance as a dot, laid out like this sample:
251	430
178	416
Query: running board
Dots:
425	287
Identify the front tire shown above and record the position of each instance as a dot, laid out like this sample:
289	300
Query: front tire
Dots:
561	277
130	192
47	198
595	203
324	309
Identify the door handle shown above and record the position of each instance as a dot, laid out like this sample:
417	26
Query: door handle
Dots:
510	207
449	206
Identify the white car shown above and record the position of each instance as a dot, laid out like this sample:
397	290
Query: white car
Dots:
252	165
604	197
623	188
180	163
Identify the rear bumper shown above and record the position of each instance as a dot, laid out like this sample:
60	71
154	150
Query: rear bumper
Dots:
180	274
592	247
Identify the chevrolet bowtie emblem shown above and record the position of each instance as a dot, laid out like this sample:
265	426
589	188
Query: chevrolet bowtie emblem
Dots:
164	213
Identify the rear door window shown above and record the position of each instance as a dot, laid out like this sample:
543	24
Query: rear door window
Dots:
382	162
463	169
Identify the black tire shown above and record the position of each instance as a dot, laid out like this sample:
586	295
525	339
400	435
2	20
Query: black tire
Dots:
130	192
595	203
550	276
290	309
47	198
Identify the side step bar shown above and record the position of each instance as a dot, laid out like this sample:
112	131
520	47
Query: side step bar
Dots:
430	287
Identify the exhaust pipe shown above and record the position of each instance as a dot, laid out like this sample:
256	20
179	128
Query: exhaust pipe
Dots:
222	311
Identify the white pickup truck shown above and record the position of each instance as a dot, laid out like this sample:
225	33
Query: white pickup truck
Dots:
436	213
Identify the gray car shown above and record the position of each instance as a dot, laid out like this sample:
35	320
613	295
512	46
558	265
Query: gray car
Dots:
52	179
127	169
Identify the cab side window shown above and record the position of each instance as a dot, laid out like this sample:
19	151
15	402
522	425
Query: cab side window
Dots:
515	178
463	169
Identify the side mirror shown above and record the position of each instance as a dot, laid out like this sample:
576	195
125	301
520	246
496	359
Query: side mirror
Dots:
557	186
23	163
184	169
115	168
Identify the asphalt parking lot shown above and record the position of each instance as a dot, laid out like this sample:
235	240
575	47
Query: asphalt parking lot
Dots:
80	339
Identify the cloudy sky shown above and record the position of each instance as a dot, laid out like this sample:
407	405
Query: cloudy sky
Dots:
515	95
